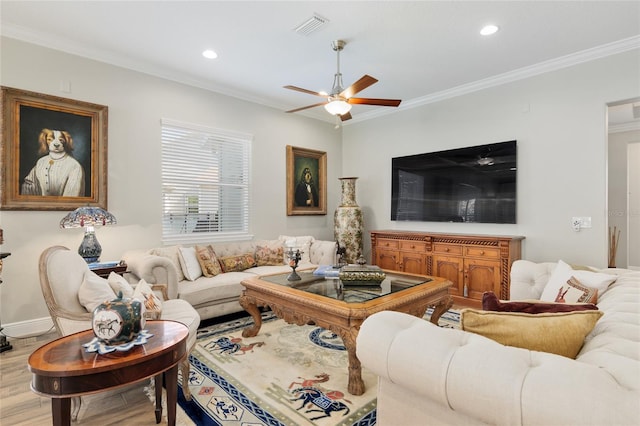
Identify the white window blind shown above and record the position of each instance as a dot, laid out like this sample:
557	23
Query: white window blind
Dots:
205	183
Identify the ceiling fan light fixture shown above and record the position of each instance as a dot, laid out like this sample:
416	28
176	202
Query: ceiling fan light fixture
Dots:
337	107
485	161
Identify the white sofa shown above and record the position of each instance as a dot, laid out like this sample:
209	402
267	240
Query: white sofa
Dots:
218	295
434	376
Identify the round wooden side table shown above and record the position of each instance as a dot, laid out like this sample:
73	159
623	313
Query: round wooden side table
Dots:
63	369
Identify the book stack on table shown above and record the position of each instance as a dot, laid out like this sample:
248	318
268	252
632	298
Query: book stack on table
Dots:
361	275
327	271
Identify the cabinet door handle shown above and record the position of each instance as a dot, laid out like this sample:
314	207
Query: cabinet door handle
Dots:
413	246
481	252
446	249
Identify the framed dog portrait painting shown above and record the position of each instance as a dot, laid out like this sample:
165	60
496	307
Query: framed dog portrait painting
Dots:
306	181
53	152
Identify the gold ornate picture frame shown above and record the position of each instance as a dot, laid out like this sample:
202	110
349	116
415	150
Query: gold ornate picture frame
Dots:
306	181
53	152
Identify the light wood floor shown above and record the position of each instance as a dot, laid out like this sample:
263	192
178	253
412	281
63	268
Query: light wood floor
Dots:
20	406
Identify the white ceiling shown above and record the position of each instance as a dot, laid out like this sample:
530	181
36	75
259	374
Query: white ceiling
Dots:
420	51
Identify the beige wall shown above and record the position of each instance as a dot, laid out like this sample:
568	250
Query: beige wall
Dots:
559	121
136	104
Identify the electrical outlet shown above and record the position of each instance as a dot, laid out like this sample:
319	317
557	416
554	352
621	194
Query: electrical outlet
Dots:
576	223
579	222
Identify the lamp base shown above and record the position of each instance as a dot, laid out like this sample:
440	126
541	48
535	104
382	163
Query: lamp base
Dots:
90	249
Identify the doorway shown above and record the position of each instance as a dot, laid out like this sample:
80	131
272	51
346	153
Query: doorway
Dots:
623	181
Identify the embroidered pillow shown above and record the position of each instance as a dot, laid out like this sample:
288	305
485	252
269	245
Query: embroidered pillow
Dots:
189	263
94	291
208	261
172	254
119	284
575	292
237	263
557	333
266	255
490	302
152	303
563	272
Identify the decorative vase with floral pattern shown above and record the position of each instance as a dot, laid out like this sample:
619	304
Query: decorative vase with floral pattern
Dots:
348	222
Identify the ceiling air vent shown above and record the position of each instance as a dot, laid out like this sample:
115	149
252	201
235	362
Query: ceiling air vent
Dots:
310	25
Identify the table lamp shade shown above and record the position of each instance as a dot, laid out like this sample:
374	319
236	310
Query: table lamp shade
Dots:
88	217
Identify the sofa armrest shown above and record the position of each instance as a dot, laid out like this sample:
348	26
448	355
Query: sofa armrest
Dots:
322	252
485	380
154	270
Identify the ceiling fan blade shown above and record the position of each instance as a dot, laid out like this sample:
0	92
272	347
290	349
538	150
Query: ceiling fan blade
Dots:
307	107
300	89
359	85
346	116
380	102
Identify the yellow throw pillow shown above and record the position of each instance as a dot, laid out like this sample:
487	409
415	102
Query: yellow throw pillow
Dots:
557	333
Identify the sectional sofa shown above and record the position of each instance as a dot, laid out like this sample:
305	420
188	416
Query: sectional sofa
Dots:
430	375
185	271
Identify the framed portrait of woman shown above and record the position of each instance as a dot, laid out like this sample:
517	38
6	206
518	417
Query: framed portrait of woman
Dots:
53	152
306	181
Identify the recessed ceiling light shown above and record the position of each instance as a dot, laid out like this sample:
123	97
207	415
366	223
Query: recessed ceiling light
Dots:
209	54
489	29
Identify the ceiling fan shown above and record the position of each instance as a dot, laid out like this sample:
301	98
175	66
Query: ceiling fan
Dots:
339	101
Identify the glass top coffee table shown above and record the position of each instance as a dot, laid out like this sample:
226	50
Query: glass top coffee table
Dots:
331	304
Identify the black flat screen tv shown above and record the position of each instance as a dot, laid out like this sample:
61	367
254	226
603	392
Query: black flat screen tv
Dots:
473	184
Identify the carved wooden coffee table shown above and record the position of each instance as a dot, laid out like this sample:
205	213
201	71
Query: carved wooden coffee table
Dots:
341	309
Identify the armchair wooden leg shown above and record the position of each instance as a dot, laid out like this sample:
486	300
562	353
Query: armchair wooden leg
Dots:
184	369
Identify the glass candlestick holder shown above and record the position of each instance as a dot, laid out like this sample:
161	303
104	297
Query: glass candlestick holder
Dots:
294	256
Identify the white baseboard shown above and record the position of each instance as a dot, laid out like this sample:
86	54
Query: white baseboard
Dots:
23	329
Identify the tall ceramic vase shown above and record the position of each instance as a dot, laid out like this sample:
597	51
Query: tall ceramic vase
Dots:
348	223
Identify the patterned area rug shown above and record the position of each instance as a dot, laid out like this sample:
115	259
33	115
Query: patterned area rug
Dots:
286	375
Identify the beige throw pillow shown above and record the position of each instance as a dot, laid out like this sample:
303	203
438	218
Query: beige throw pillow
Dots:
557	333
303	243
119	284
94	291
563	272
189	263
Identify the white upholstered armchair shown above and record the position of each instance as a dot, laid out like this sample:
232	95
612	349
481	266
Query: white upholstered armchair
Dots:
62	273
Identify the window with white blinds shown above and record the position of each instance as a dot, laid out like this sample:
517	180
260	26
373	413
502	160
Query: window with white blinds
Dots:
205	183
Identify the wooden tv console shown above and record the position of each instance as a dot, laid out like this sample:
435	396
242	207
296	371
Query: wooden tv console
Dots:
474	263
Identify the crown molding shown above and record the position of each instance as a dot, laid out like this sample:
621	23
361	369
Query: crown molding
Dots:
69	46
588	55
